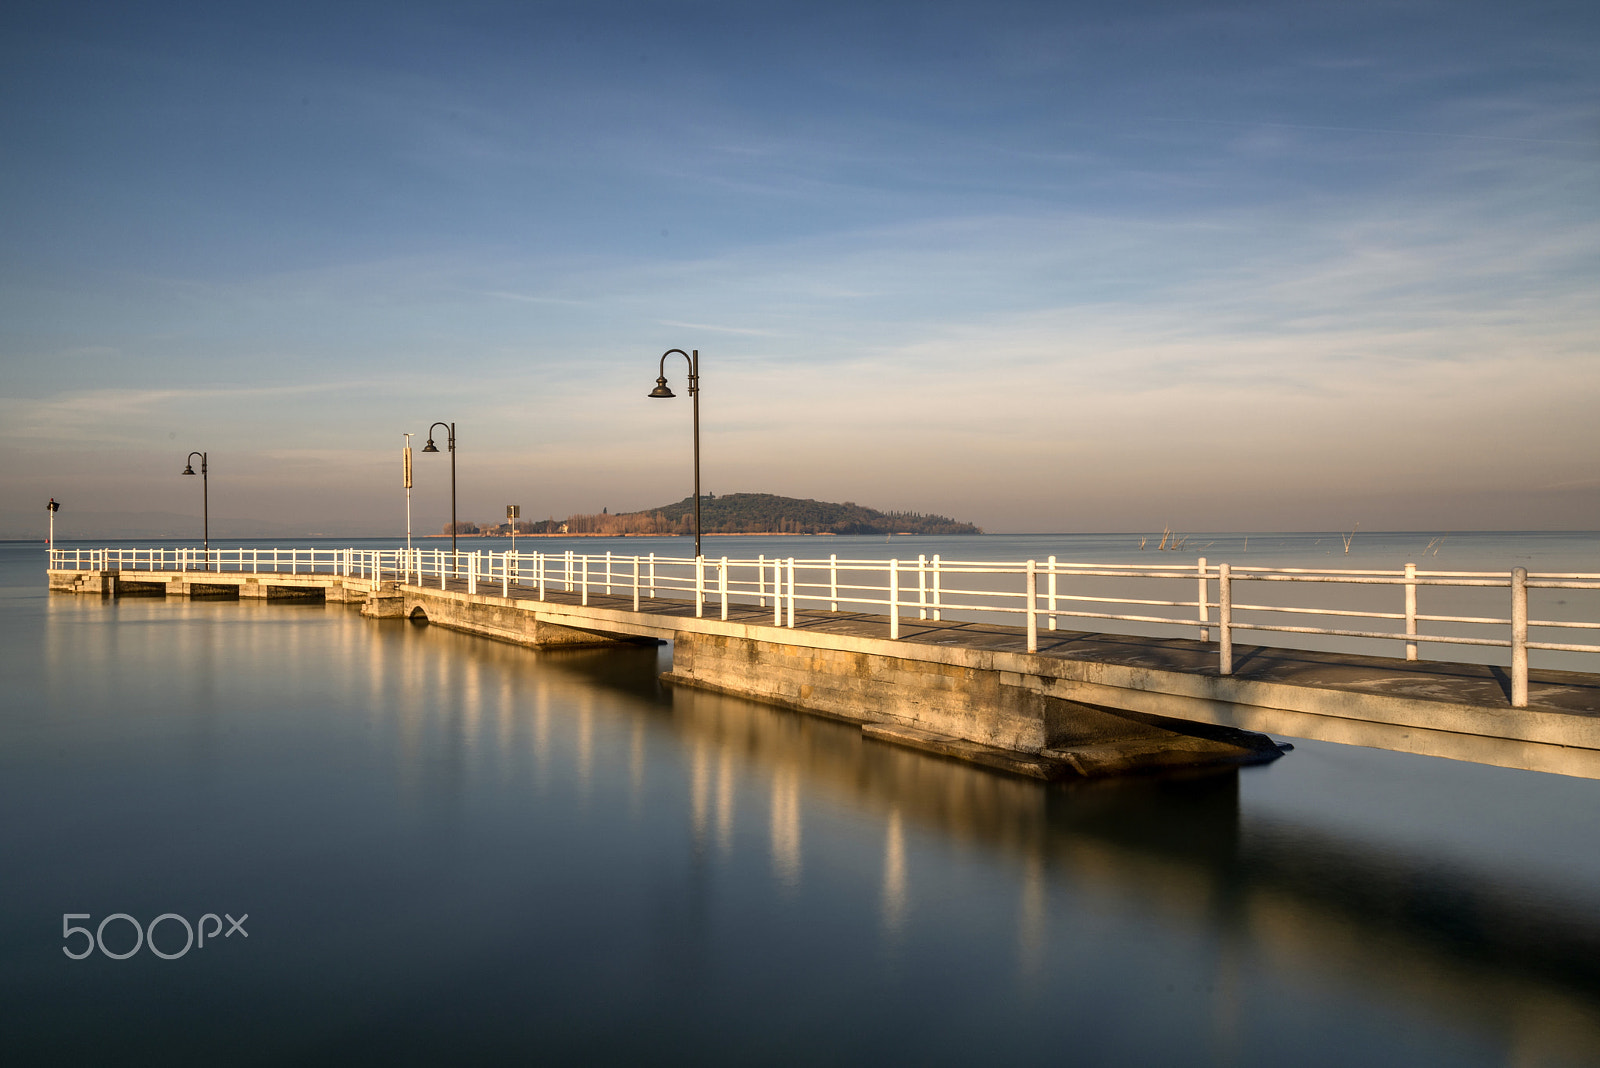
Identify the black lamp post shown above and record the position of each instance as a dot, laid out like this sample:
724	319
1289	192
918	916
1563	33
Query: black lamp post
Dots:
451	445
661	390
205	498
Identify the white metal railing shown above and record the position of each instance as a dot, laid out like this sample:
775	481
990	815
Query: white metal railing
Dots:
933	588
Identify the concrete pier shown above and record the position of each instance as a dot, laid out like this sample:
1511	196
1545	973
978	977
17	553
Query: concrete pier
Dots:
1082	705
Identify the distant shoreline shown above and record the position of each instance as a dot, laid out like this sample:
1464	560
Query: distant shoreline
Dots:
706	534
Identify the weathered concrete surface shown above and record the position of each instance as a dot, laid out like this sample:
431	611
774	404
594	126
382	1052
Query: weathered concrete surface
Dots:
489	616
100	582
228	584
964	709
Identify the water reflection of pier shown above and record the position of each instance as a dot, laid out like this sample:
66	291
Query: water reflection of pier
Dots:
1462	947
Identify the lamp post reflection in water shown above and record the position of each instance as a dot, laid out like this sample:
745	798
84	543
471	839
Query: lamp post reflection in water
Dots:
894	876
786	826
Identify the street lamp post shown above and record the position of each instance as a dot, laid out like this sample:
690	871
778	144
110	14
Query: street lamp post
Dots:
451	445
205	499
54	506
661	390
405	464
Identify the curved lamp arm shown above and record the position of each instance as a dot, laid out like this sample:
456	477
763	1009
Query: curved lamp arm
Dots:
694	372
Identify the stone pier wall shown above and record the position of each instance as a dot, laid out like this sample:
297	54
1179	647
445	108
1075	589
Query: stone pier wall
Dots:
970	711
499	618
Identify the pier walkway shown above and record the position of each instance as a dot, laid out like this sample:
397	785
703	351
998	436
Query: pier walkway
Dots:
1038	701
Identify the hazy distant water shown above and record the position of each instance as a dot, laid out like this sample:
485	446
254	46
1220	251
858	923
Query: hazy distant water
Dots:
452	848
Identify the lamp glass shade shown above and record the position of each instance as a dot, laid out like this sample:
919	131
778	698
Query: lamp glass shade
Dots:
430	447
661	389
188	469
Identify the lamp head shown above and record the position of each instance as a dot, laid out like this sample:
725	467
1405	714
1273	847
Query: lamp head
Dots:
661	389
188	469
430	446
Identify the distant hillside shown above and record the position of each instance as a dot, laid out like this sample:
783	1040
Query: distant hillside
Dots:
755	513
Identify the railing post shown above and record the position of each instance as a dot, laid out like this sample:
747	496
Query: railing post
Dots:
922	586
1519	637
1033	608
833	581
584	564
791	593
568	574
438	556
635	582
652	574
541	561
722	586
777	592
1050	595
1224	620
894	599
505	575
608	572
699	586
1205	608
761	580
1411	609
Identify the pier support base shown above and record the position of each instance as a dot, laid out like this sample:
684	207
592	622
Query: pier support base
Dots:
101	582
488	617
967	711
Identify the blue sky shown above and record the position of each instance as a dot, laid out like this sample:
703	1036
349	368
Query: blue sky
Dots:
1039	266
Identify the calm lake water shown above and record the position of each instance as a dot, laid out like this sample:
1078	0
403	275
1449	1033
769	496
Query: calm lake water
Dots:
452	850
